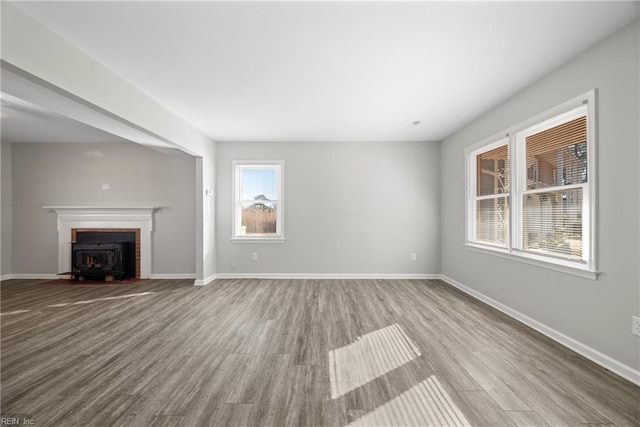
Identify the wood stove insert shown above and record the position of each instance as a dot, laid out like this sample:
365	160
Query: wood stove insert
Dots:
105	254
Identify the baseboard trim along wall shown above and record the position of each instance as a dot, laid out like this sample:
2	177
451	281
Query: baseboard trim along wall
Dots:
205	281
173	276
626	372
31	276
325	276
55	276
213	277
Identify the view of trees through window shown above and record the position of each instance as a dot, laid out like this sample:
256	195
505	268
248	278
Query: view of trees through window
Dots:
259	217
258	200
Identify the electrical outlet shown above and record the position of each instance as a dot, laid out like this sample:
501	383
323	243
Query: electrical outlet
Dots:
414	257
254	256
106	186
635	328
233	265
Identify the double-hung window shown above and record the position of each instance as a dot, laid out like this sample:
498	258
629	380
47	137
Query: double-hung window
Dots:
258	201
531	191
490	195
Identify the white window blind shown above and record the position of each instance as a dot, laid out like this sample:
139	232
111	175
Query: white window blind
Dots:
492	196
532	194
553	203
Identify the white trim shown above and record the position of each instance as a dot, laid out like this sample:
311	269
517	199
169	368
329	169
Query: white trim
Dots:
383	276
569	267
588	97
70	217
472	198
173	276
573	109
36	276
607	362
206	281
557	188
186	276
102	210
236	200
257	240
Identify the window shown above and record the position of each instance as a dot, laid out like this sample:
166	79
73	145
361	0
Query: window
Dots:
258	201
532	192
491	195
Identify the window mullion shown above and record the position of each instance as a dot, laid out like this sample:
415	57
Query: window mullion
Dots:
583	185
587	255
471	198
518	164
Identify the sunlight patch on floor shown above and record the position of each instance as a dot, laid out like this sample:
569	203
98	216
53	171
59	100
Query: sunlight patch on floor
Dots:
89	301
369	357
7	313
426	404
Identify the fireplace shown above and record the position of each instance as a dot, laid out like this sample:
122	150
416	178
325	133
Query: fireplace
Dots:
108	253
99	260
73	221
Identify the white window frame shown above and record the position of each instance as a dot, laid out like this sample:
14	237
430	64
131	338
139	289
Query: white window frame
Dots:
236	214
587	267
472	168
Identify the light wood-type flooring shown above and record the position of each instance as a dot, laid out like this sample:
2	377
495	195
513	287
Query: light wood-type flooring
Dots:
289	353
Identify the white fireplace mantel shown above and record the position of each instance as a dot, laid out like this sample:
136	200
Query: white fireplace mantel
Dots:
96	217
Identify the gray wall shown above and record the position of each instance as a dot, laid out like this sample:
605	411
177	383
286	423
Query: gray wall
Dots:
5	211
596	313
350	208
73	174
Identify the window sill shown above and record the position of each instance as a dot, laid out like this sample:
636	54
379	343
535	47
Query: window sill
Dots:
257	240
527	259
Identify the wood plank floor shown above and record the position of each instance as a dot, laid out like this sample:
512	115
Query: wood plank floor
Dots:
289	353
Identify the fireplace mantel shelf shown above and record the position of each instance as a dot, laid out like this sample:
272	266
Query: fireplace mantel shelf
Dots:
99	209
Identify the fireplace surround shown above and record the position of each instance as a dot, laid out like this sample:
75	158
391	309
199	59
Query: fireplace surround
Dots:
70	219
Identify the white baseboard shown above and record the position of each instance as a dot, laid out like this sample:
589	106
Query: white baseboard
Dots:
325	276
55	276
626	372
173	276
256	276
206	281
33	276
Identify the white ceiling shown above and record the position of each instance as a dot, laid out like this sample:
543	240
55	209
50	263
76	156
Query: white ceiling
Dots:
331	71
